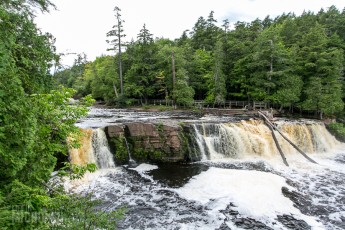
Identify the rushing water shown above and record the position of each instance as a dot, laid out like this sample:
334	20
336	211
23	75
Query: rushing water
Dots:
94	149
240	183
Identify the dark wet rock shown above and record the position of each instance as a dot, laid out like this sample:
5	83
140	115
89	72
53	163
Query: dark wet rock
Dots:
241	222
223	227
302	202
340	159
176	175
140	202
291	223
248	223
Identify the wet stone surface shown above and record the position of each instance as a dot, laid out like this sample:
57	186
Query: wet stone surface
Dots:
292	223
239	221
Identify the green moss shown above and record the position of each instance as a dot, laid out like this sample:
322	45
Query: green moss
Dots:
140	154
188	145
160	128
157	155
121	152
181	123
147	155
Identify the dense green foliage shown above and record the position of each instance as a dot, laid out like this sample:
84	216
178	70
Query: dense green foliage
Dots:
36	119
338	130
289	62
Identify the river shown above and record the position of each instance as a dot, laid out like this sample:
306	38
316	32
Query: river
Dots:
239	183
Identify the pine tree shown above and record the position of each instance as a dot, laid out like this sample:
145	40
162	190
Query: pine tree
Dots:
217	82
321	67
116	42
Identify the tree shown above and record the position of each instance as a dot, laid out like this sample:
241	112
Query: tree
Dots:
116	43
141	75
35	121
180	91
217	80
69	76
183	92
101	74
200	68
321	67
205	33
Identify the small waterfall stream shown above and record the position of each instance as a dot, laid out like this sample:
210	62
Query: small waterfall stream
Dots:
101	150
200	140
131	162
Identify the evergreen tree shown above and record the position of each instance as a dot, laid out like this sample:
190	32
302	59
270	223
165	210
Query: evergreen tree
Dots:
141	75
116	43
205	33
200	67
216	82
321	68
35	122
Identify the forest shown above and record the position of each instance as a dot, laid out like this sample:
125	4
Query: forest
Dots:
36	119
290	62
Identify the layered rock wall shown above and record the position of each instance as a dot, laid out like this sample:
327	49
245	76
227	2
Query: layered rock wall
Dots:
146	142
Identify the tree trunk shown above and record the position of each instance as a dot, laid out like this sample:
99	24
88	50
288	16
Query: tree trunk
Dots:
174	79
115	90
120	56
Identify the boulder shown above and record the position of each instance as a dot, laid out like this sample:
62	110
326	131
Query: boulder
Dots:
142	130
115	130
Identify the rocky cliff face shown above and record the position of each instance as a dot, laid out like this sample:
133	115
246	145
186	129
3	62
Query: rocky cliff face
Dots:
146	142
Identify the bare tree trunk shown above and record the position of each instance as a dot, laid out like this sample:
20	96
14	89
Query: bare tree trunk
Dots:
115	90
166	96
120	58
174	79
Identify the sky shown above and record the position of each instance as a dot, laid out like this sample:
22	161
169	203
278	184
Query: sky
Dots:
80	26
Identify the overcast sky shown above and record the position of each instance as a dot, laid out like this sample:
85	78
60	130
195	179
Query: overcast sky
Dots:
81	25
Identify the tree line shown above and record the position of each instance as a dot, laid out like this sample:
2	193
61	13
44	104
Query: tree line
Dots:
289	61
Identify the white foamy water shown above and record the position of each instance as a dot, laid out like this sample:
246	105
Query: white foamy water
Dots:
255	194
145	168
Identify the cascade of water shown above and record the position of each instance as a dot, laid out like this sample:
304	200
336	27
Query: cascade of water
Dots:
200	142
83	154
131	162
254	138
93	149
101	149
311	138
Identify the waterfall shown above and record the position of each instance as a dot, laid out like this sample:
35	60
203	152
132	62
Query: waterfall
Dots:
101	149
254	138
310	137
131	162
93	149
200	140
83	154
